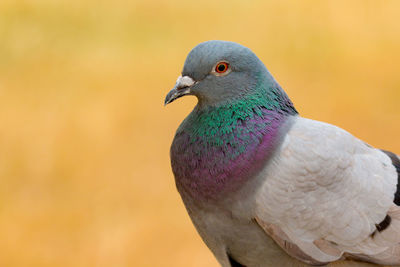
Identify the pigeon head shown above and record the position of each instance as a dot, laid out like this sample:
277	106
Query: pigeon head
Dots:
217	72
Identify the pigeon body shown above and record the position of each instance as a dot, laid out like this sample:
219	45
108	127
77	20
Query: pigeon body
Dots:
266	187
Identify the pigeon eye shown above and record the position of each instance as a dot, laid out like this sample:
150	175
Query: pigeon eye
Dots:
221	67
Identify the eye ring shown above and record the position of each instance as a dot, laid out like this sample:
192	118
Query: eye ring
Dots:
221	68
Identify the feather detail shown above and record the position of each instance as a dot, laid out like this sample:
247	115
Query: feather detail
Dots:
288	245
330	196
396	163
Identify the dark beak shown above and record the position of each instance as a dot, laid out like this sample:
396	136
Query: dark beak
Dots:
181	88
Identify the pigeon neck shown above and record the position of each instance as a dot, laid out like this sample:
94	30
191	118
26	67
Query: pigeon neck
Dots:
217	149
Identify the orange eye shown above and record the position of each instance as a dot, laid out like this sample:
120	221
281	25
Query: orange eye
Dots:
221	67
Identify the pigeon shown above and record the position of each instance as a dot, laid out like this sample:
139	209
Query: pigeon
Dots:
264	186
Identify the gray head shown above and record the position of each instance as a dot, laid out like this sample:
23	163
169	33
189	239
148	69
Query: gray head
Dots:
218	71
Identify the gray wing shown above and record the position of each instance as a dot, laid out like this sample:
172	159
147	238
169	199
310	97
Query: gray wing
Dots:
329	196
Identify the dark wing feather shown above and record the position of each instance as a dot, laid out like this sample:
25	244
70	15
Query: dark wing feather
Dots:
396	163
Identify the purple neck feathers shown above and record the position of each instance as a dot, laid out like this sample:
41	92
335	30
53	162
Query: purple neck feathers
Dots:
209	166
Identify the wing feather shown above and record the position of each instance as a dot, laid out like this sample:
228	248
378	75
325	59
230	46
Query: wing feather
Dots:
327	191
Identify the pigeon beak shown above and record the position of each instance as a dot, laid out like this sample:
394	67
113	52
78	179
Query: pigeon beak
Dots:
182	87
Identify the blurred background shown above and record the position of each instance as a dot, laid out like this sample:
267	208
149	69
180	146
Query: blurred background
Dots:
85	178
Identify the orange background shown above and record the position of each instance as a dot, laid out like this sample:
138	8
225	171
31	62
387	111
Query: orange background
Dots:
85	178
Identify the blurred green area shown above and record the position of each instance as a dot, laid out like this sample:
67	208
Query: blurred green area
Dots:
84	137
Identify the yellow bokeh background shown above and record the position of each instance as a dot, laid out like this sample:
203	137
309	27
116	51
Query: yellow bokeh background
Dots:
85	178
